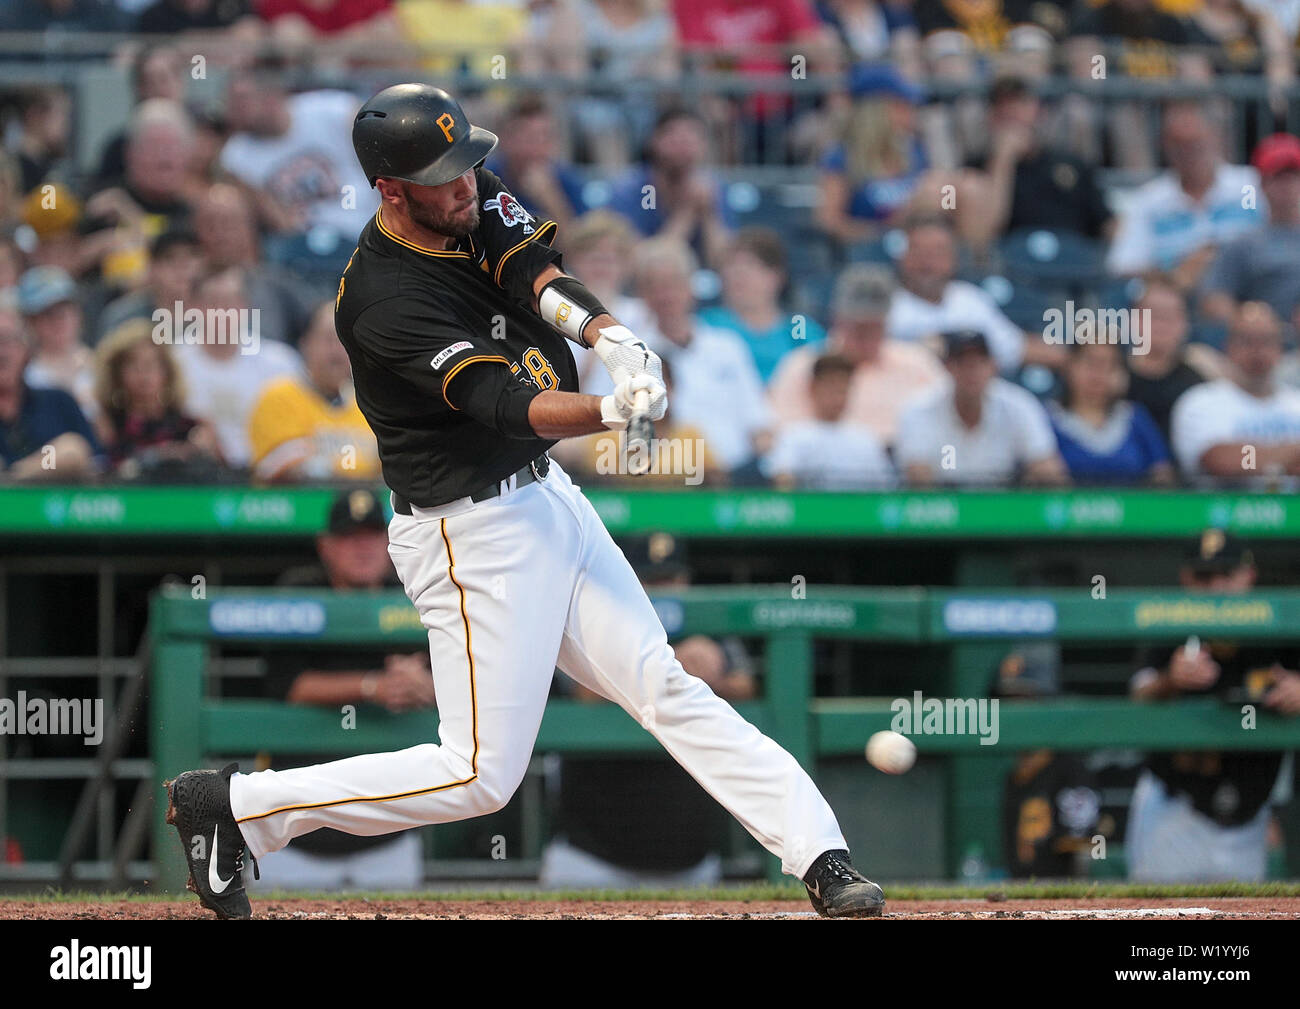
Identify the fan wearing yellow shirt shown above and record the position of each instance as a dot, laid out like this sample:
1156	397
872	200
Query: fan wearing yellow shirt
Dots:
457	35
311	428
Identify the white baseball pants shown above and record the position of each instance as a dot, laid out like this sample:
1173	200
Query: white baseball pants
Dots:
510	588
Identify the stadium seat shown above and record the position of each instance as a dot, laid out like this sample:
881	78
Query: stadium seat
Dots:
786	207
1024	304
1053	259
1120	293
1208	331
811	296
1042	382
886	250
317	256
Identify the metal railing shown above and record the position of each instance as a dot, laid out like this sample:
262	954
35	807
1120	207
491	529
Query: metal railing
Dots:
1257	107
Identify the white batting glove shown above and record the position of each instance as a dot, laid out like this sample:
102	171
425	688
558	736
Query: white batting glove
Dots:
617	408
625	354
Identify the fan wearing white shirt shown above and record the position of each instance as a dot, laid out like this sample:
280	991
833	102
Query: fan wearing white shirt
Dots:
222	382
1177	221
717	388
978	428
295	153
1247	426
828	452
931	300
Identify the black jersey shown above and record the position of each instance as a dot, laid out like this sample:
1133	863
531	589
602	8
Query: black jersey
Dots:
1228	787
413	319
1050	809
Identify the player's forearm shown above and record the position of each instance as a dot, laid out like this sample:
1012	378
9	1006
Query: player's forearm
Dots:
716	238
1218	305
1049	355
918	474
328	689
590	331
69	455
555	414
1049	472
1241	459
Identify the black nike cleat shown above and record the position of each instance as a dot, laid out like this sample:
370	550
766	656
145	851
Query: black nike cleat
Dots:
837	890
198	805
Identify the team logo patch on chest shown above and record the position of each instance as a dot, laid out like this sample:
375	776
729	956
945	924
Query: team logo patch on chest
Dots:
511	210
451	351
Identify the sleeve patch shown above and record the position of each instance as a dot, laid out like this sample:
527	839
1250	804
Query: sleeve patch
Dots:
454	349
511	210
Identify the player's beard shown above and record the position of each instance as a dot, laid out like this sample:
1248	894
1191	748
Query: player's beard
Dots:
457	224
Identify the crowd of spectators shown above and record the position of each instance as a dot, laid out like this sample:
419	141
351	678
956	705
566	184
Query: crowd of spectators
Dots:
892	330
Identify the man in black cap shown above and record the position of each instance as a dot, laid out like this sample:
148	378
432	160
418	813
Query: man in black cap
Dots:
353	552
455	314
977	428
1204	816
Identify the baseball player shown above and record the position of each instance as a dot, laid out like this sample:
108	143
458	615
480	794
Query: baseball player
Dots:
455	312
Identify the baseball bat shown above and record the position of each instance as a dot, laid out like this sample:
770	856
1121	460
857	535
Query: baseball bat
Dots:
640	429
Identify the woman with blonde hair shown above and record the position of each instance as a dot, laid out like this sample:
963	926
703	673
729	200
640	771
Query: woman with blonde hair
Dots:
880	172
140	391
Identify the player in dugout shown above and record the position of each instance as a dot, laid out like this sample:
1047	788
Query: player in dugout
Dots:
1204	816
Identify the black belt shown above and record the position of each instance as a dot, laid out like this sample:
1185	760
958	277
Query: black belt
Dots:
534	471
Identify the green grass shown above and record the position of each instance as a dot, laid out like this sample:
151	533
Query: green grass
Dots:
755	892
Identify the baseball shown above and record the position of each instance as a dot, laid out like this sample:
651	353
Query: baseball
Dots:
891	752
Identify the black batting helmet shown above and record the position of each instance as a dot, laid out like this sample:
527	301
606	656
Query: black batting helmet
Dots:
417	133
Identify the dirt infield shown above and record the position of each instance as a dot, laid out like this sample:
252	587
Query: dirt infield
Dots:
362	909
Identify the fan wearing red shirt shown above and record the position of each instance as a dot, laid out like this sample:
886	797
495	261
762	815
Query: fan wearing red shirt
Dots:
751	34
755	37
350	25
326	16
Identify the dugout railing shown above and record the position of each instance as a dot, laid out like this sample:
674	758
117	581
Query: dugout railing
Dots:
207	516
189	726
77	564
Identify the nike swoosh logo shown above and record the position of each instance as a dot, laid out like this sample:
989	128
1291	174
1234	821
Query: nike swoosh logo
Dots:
815	889
215	882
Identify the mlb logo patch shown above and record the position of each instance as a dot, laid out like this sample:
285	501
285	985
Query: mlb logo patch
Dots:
454	349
